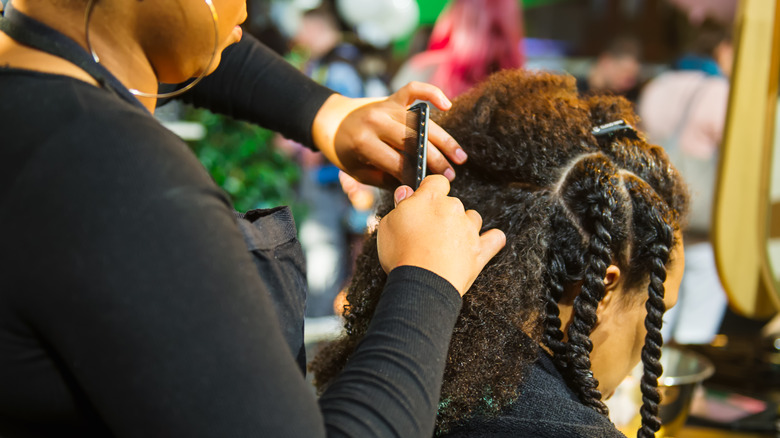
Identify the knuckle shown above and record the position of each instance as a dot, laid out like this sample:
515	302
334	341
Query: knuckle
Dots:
455	205
372	117
413	85
437	160
363	137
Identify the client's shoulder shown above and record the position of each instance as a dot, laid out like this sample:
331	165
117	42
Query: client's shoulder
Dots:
545	408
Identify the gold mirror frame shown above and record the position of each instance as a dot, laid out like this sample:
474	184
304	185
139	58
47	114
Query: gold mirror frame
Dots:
741	209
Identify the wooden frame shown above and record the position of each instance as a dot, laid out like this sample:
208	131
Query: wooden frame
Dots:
741	209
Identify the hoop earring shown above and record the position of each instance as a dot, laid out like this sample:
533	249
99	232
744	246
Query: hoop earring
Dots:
214	20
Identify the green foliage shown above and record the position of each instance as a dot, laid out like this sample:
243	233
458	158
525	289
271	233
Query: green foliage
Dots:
243	161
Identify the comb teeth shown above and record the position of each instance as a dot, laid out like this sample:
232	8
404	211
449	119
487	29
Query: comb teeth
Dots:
415	150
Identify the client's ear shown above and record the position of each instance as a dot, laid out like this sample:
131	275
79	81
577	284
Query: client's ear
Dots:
611	282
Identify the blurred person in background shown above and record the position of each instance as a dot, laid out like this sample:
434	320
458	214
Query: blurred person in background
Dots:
471	40
331	61
684	110
616	69
325	231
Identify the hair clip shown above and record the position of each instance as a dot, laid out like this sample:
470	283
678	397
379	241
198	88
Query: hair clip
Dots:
616	127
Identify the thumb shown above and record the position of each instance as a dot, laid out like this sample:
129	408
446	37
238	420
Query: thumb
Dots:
490	243
421	91
402	193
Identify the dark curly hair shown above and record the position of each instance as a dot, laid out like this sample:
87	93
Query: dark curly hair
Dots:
570	205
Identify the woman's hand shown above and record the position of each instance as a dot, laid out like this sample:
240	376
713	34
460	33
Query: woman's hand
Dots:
364	137
431	230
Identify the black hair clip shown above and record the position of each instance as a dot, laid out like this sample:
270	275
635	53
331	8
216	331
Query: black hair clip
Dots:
616	127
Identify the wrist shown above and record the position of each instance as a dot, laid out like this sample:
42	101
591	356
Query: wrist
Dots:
328	120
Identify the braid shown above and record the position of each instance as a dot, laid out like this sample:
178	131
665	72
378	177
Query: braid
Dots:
651	352
659	239
553	335
594	199
565	264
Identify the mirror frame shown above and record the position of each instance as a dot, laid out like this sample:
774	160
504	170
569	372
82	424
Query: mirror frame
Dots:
772	279
741	207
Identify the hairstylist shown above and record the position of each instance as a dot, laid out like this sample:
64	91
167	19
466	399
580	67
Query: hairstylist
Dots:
129	305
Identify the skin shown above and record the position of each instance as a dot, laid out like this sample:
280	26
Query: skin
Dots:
317	36
361	136
615	74
724	56
354	134
126	36
619	334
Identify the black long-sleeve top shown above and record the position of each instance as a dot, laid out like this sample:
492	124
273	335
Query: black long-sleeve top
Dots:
252	83
130	306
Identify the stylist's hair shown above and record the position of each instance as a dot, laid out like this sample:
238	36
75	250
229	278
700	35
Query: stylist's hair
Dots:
571	204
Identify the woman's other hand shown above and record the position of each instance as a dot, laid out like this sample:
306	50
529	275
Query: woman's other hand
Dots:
364	137
431	230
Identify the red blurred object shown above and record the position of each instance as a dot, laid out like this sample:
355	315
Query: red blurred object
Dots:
471	40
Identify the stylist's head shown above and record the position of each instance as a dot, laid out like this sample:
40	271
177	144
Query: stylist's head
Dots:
172	39
178	36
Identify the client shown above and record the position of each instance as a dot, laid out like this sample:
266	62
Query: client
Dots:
593	259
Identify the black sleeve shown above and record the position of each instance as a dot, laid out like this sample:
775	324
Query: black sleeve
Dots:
396	360
152	304
253	83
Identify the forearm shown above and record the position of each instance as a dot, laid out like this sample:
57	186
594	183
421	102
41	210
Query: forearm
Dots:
254	84
391	385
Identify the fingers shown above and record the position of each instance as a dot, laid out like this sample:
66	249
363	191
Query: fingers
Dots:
384	158
434	185
437	164
375	177
439	141
348	184
475	218
490	243
421	91
446	144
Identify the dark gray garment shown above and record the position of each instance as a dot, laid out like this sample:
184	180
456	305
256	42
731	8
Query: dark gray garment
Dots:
546	408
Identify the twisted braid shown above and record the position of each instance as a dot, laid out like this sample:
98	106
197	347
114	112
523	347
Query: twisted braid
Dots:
553	336
568	243
592	196
651	215
565	265
651	352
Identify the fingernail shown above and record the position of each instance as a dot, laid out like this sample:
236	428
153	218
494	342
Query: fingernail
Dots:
460	155
449	174
400	194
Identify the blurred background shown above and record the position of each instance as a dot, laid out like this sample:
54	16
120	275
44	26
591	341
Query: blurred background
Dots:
361	48
703	76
